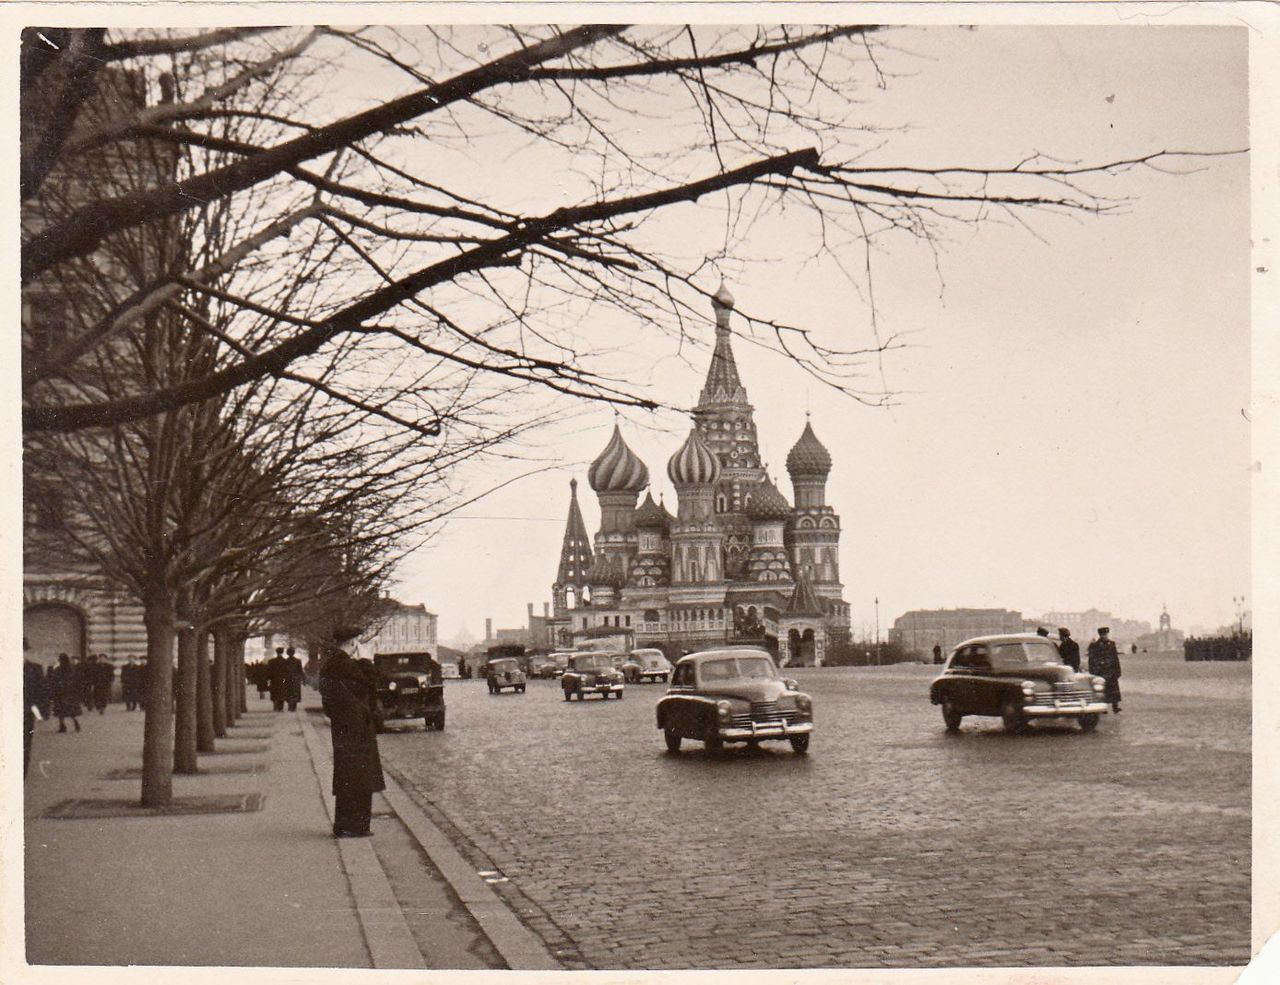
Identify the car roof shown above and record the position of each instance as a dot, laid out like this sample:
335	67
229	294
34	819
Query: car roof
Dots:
732	651
1006	638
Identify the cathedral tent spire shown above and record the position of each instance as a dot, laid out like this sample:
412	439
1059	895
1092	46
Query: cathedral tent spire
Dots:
722	383
575	552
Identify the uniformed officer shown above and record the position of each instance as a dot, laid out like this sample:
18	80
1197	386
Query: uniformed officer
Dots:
1104	661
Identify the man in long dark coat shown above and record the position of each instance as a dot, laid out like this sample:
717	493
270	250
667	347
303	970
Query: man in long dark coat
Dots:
1068	649
1104	661
64	683
104	675
32	698
292	680
348	690
277	672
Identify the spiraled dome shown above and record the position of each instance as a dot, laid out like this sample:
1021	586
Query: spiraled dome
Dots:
767	503
808	456
617	469
607	572
650	515
695	464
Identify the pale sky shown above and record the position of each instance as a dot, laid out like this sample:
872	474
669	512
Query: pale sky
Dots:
1070	427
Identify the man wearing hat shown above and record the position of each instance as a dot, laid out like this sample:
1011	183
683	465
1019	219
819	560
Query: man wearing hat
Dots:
1068	649
348	692
1104	661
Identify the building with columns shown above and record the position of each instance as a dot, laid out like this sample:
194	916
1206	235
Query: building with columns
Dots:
737	563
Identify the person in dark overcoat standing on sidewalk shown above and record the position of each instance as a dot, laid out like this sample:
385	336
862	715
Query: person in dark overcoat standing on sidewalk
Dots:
32	699
1068	649
292	679
65	683
104	675
1104	661
348	691
277	673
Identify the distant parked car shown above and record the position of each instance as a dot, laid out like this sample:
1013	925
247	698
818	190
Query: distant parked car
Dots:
503	673
733	695
646	664
592	673
1018	677
560	662
450	672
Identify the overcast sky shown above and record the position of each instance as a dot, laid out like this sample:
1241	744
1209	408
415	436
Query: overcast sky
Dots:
1070	425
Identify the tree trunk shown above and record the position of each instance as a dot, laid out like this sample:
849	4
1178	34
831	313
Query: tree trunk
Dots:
242	686
157	734
185	758
219	680
204	693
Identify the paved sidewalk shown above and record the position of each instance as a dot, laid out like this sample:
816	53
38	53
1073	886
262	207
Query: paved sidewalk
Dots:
266	887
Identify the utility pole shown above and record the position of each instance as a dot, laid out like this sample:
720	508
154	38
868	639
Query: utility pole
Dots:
1239	604
877	600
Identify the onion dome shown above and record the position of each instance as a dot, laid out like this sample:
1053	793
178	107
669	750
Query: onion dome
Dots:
617	469
695	464
650	515
767	503
606	572
722	298
808	456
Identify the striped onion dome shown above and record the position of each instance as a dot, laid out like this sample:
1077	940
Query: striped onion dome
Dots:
808	456
617	469
767	503
607	572
695	464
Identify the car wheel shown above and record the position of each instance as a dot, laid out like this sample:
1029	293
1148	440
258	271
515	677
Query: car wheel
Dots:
1088	723
568	695
521	689
800	744
379	725
1012	716
619	694
711	739
673	739
952	716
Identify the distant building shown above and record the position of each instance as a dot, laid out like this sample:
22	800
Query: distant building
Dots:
406	629
919	630
1084	626
1165	640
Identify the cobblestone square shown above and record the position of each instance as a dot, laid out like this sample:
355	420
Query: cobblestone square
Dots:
892	844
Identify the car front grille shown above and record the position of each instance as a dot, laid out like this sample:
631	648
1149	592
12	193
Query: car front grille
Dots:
1062	692
763	712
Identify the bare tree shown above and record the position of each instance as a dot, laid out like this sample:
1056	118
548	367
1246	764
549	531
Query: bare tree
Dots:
489	268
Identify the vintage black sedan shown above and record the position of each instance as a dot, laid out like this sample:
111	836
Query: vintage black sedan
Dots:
733	695
1018	677
409	686
592	673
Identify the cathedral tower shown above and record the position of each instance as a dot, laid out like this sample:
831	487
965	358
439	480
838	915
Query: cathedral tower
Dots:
695	538
575	560
617	476
814	534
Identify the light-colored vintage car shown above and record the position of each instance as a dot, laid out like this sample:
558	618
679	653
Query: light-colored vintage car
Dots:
733	695
1018	677
646	664
591	673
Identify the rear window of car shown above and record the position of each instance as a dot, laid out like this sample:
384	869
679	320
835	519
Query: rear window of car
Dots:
1022	654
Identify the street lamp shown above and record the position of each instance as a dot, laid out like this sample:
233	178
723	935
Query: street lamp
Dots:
1239	604
877	601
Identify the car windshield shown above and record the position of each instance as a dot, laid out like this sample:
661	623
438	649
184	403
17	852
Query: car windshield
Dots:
502	666
737	668
595	661
1028	653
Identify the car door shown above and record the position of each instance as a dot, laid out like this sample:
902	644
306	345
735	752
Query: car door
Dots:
684	707
957	683
986	689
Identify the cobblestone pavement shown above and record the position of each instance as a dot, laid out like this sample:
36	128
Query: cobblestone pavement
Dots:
892	843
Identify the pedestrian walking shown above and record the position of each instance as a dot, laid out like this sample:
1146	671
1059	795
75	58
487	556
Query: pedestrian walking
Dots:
348	690
937	653
293	679
103	676
64	682
131	684
276	674
1068	649
86	673
1104	661
32	698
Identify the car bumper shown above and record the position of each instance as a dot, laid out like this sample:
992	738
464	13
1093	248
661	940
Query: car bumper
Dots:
1065	711
765	730
601	688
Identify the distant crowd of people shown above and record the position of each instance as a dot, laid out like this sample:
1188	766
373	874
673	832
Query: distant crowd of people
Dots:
281	677
72	688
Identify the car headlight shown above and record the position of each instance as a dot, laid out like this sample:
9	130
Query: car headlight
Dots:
1099	684
1028	687
724	709
803	703
391	686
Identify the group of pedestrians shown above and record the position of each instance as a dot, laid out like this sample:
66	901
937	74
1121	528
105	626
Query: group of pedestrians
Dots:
1104	660
284	679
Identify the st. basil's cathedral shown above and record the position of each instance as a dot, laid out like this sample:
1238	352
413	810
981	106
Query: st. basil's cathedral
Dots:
736	564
